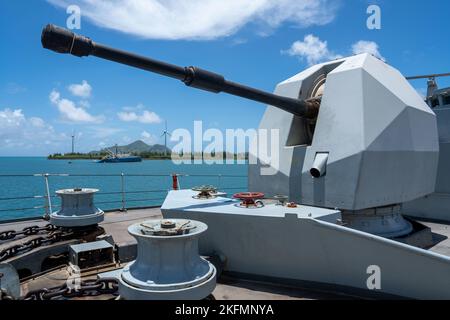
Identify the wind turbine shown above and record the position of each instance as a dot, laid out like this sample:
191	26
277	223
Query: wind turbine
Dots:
73	141
165	134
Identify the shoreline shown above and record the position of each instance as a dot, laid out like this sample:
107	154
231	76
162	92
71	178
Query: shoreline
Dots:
95	159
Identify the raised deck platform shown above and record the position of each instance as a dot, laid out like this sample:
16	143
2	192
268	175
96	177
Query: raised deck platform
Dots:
117	222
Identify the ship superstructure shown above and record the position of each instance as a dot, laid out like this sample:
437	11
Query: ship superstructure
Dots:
359	151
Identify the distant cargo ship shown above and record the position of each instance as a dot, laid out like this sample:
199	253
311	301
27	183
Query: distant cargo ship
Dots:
115	157
120	158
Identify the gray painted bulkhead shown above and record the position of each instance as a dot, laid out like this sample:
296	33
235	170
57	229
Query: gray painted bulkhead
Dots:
436	206
312	249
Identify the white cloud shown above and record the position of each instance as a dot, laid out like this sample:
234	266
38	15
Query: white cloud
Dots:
18	131
148	137
37	122
145	134
312	49
200	19
82	90
238	41
140	106
70	112
84	104
144	116
371	47
54	97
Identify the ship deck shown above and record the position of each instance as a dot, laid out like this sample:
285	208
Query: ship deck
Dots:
117	222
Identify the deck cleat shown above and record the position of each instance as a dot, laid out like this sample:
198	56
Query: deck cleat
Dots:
167	227
281	199
249	199
291	205
205	192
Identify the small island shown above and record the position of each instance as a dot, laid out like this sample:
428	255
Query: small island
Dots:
140	149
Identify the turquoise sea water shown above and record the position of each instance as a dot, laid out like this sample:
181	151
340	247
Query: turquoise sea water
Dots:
151	190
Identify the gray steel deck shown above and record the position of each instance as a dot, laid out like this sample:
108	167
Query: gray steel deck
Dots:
441	232
116	224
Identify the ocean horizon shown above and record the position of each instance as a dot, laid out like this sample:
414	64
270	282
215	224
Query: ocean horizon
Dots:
146	183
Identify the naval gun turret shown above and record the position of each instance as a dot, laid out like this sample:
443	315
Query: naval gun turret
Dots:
64	41
354	134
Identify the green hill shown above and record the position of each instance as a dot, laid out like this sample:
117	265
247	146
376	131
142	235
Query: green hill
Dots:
136	147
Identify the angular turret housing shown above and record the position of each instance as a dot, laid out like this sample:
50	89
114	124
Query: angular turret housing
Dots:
379	135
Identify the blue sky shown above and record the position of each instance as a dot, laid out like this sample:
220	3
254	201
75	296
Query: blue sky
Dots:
45	96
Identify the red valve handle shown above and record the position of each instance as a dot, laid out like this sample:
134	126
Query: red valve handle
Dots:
248	195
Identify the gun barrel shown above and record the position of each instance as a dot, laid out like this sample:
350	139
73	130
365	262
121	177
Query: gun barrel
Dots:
64	41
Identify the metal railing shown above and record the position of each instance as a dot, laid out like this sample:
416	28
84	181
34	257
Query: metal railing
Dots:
123	196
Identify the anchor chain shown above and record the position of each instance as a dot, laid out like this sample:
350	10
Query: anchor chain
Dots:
88	288
55	234
28	231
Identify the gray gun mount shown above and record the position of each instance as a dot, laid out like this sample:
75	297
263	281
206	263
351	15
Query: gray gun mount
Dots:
64	41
